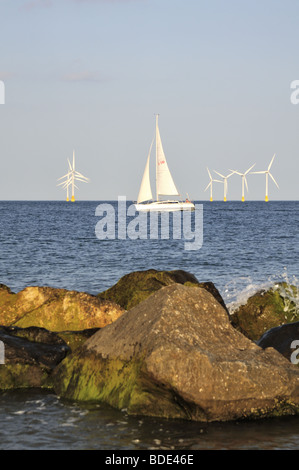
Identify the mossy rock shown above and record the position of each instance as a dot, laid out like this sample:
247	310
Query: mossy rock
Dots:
75	339
24	376
55	309
30	355
266	310
137	286
176	355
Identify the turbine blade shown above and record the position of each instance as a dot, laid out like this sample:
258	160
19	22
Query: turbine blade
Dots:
64	176
271	162
81	176
79	179
209	173
274	180
257	172
249	169
246	183
236	172
219	174
208	185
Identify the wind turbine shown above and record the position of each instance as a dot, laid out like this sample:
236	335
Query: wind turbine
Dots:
225	178
210	185
267	173
70	178
244	180
65	184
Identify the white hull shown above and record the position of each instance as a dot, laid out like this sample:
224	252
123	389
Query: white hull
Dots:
165	206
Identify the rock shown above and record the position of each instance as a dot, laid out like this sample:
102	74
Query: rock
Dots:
135	287
284	338
55	309
74	339
266	310
30	356
32	353
176	355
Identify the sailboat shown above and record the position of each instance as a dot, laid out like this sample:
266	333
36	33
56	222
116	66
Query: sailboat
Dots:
164	184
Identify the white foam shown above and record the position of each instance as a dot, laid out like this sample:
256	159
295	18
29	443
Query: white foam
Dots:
235	294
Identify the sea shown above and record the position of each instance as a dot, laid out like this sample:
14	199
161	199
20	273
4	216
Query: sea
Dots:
88	246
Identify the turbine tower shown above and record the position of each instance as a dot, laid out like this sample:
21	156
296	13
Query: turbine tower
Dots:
267	173
225	178
210	185
70	178
244	180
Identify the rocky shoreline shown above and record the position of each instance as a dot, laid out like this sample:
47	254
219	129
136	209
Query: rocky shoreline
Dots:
158	343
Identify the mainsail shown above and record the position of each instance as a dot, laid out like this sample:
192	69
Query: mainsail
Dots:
164	183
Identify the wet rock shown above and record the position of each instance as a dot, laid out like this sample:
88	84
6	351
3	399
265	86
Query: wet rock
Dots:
176	355
55	309
265	310
135	287
30	355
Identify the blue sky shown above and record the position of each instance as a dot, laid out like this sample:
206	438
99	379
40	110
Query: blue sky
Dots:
90	74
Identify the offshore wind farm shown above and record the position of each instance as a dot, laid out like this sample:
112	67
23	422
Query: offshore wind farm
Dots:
244	183
68	180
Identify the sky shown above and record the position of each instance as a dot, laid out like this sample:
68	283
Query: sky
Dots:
89	75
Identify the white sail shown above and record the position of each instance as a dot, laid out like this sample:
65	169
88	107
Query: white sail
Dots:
145	192
164	182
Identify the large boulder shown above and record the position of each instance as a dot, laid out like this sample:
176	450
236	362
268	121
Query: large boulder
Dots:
267	309
135	287
176	355
55	309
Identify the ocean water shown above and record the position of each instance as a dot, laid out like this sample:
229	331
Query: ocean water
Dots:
246	246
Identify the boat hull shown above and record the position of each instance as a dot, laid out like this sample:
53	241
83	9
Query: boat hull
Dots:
165	206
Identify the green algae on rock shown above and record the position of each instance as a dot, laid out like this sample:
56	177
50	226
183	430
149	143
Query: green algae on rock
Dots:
137	286
30	357
176	355
31	354
267	309
55	309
